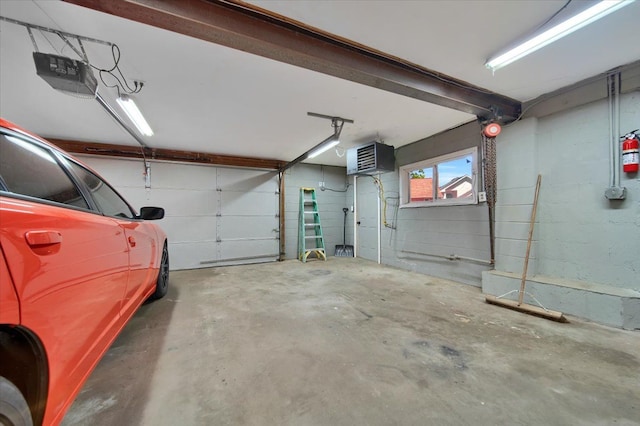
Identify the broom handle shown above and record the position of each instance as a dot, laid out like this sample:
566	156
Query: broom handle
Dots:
526	258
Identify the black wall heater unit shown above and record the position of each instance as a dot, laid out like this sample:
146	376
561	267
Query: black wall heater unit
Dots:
371	158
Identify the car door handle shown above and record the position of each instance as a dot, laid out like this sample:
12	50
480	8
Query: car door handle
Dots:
132	241
43	238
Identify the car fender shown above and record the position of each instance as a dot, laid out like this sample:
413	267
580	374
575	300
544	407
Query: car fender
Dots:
162	239
9	302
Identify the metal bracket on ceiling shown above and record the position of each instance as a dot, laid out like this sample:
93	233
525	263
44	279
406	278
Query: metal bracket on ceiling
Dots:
495	116
59	33
333	119
336	122
65	36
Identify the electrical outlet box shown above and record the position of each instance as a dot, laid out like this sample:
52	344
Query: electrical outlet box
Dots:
321	184
616	193
482	197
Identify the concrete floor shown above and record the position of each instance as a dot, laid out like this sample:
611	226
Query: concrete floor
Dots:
348	342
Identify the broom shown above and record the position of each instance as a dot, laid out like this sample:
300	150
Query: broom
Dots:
518	305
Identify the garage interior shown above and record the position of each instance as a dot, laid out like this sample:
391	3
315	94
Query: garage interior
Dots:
399	333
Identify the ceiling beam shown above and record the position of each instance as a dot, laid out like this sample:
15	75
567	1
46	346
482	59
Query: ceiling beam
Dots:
258	31
126	151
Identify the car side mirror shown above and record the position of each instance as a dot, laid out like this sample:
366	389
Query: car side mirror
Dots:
151	213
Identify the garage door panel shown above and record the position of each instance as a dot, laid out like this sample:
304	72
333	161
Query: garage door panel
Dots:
189	228
243	180
127	173
257	249
248	221
194	254
248	227
114	172
204	207
252	204
164	175
185	202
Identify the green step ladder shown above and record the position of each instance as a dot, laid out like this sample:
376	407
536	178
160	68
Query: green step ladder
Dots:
310	239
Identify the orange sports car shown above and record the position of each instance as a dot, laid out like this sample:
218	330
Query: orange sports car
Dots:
76	262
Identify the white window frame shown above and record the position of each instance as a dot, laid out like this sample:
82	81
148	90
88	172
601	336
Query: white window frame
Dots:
404	173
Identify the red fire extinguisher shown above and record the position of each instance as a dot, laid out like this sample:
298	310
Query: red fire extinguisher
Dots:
630	157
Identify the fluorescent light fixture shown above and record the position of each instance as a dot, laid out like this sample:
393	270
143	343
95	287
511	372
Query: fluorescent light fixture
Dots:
134	114
323	148
580	20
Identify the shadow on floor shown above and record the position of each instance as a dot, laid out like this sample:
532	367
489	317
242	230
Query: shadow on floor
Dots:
132	358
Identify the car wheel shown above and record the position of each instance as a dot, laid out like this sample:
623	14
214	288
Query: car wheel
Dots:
162	283
14	410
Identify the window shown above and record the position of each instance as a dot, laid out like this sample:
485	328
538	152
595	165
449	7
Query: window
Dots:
446	180
107	200
31	170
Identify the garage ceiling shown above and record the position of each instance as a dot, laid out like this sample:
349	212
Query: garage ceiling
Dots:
200	96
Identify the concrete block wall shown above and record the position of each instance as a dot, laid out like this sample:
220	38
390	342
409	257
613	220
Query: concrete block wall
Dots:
516	181
416	234
331	201
588	237
586	249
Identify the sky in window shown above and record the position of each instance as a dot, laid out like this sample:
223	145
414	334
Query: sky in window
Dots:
454	168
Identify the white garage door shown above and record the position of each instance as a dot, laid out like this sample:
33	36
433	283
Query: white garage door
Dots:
214	215
247	225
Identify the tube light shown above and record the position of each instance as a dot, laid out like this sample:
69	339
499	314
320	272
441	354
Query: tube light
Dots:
134	114
572	24
323	148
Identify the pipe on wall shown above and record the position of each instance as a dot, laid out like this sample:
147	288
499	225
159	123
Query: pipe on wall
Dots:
614	126
614	192
451	257
355	216
379	227
281	213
